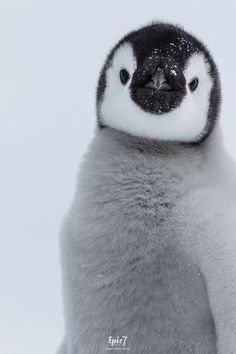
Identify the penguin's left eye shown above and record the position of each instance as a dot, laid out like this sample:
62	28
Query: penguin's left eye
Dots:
193	84
124	76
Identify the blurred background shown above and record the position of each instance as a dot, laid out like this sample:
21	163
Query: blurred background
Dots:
50	56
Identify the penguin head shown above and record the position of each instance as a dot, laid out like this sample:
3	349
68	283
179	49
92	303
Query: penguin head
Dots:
159	82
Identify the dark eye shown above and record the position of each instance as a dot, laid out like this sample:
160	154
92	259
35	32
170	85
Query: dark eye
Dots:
124	76
193	84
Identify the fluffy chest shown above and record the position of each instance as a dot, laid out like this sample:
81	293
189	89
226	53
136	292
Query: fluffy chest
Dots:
128	243
134	194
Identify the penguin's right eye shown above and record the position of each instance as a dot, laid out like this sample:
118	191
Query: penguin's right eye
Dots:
124	76
193	84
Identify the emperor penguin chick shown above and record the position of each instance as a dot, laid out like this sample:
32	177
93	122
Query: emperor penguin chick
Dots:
149	245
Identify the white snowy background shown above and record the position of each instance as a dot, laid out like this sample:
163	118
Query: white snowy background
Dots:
50	56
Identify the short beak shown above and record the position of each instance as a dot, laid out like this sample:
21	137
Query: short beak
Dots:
158	81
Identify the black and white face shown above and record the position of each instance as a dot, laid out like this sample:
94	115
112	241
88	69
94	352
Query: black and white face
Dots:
159	83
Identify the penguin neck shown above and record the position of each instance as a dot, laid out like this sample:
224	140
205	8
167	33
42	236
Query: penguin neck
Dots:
208	158
211	146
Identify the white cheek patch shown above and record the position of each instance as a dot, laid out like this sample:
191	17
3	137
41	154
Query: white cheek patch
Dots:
185	123
123	59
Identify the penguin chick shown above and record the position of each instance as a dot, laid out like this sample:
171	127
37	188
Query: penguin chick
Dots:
148	247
